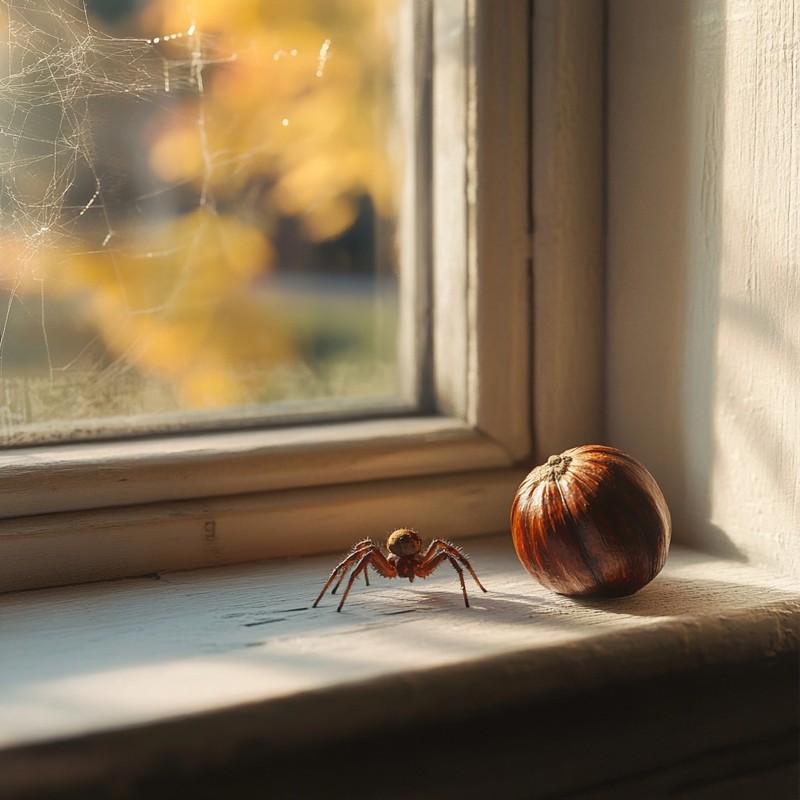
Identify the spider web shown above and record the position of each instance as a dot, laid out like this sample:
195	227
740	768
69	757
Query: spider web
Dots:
64	86
56	66
56	195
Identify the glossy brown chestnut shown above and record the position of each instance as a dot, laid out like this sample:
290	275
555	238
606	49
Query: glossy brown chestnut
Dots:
591	522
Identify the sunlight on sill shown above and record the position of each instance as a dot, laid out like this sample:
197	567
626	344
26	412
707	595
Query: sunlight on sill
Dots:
108	655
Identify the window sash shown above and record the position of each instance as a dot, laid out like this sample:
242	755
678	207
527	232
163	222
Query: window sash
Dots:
112	509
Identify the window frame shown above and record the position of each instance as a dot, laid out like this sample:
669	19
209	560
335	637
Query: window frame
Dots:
99	510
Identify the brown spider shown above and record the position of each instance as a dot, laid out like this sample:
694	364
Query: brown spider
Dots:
406	561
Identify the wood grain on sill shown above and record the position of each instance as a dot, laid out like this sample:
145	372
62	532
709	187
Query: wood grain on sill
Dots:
217	657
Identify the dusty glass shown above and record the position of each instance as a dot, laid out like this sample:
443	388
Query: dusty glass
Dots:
198	214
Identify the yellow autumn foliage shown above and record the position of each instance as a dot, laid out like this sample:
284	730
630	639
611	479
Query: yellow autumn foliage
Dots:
288	117
179	322
298	105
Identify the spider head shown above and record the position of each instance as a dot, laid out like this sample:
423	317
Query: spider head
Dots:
404	542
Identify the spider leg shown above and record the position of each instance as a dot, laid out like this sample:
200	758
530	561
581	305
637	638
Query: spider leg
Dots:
361	547
341	568
378	560
432	562
339	582
456	555
460	572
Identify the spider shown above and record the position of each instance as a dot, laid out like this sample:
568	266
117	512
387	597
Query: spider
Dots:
406	560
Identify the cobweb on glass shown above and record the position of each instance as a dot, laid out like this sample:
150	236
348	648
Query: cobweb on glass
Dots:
57	70
55	65
87	230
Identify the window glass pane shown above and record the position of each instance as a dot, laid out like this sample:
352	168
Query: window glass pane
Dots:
198	213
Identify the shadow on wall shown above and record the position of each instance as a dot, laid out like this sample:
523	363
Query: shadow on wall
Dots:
666	143
703	292
740	401
703	235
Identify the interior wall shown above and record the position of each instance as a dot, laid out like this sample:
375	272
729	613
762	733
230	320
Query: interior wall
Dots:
703	293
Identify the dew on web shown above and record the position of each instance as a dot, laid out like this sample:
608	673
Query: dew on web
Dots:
324	55
171	37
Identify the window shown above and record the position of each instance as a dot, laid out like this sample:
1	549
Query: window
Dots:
449	460
202	224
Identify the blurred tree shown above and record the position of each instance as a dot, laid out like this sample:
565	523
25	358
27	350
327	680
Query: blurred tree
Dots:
263	145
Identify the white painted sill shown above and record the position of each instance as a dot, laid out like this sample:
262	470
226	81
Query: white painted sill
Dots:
103	683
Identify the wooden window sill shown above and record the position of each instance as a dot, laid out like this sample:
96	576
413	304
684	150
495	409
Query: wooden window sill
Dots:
225	682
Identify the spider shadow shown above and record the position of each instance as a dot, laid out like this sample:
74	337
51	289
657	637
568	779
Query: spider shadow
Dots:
504	606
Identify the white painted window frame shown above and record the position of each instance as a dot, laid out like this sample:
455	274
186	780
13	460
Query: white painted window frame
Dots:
90	511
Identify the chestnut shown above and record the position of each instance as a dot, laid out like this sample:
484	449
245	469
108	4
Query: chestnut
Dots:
591	522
